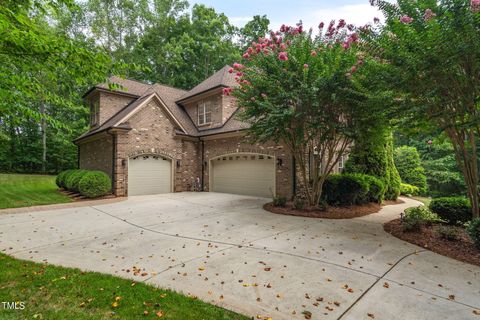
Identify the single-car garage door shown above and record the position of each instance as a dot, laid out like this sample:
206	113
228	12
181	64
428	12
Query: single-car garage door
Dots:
148	174
247	174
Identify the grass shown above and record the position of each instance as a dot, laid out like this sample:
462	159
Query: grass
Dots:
426	201
51	292
23	190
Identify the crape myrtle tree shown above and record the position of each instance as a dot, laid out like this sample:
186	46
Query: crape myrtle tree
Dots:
300	89
433	48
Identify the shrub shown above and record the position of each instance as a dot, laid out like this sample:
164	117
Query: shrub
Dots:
407	161
73	178
376	189
94	184
409	190
473	230
299	203
345	189
452	209
448	233
279	201
60	179
417	217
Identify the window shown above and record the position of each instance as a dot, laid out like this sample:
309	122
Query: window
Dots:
94	112
341	162
204	113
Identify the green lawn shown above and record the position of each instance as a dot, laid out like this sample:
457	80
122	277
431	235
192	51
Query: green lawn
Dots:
51	292
426	201
23	190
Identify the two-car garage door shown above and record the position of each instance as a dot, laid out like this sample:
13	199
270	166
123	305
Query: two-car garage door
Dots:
149	174
247	174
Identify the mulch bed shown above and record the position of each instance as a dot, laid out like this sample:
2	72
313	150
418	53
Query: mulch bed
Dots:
462	249
78	197
348	212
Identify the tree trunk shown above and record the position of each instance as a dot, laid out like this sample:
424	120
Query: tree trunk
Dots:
43	130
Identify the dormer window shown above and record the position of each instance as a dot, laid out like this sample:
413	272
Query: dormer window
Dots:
204	112
94	112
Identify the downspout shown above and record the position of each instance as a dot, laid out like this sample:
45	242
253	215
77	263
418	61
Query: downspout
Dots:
294	178
203	165
114	155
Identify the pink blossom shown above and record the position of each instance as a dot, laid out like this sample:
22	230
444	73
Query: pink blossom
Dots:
250	50
475	5
266	51
341	23
406	19
246	55
321	25
239	74
313	53
346	45
429	14
283	46
227	91
246	82
283	56
353	69
376	20
230	70
305	66
237	66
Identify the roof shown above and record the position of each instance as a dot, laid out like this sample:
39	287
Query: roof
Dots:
221	78
169	96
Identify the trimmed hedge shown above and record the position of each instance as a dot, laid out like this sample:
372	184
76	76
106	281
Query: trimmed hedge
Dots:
73	178
409	190
350	189
452	209
60	179
94	184
88	183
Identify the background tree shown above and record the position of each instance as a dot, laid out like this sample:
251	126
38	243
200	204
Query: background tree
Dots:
299	89
253	29
433	48
407	161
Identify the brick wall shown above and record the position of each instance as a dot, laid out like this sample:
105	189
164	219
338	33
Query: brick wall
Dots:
111	104
97	154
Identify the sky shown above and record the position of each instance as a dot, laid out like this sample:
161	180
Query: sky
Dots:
311	12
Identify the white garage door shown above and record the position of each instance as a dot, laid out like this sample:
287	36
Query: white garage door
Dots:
149	174
248	174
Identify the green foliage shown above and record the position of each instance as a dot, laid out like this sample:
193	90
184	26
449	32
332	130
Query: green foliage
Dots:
94	184
346	189
376	189
253	29
416	217
299	203
433	52
73	178
448	233
407	161
279	201
392	177
409	190
452	209
473	229
60	180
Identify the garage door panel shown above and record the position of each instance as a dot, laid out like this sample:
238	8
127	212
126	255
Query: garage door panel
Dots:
149	175
252	175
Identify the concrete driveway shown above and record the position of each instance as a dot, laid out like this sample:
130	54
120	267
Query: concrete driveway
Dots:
226	250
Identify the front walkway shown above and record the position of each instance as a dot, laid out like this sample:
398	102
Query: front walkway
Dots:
226	250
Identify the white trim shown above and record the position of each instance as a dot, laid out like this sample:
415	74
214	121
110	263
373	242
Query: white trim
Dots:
145	103
210	166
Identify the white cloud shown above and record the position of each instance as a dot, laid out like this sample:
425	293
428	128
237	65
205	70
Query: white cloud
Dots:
239	21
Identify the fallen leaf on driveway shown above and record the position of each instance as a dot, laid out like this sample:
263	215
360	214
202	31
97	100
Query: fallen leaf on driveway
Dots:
307	314
386	285
451	297
371	315
477	312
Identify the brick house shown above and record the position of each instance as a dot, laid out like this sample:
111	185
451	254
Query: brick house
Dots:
152	138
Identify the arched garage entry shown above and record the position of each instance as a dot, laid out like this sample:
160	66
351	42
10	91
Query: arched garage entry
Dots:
243	173
149	174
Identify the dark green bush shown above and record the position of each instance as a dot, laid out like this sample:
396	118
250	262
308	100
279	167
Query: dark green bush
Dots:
60	179
376	189
473	229
94	184
73	178
409	190
416	217
345	189
452	209
279	201
408	163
